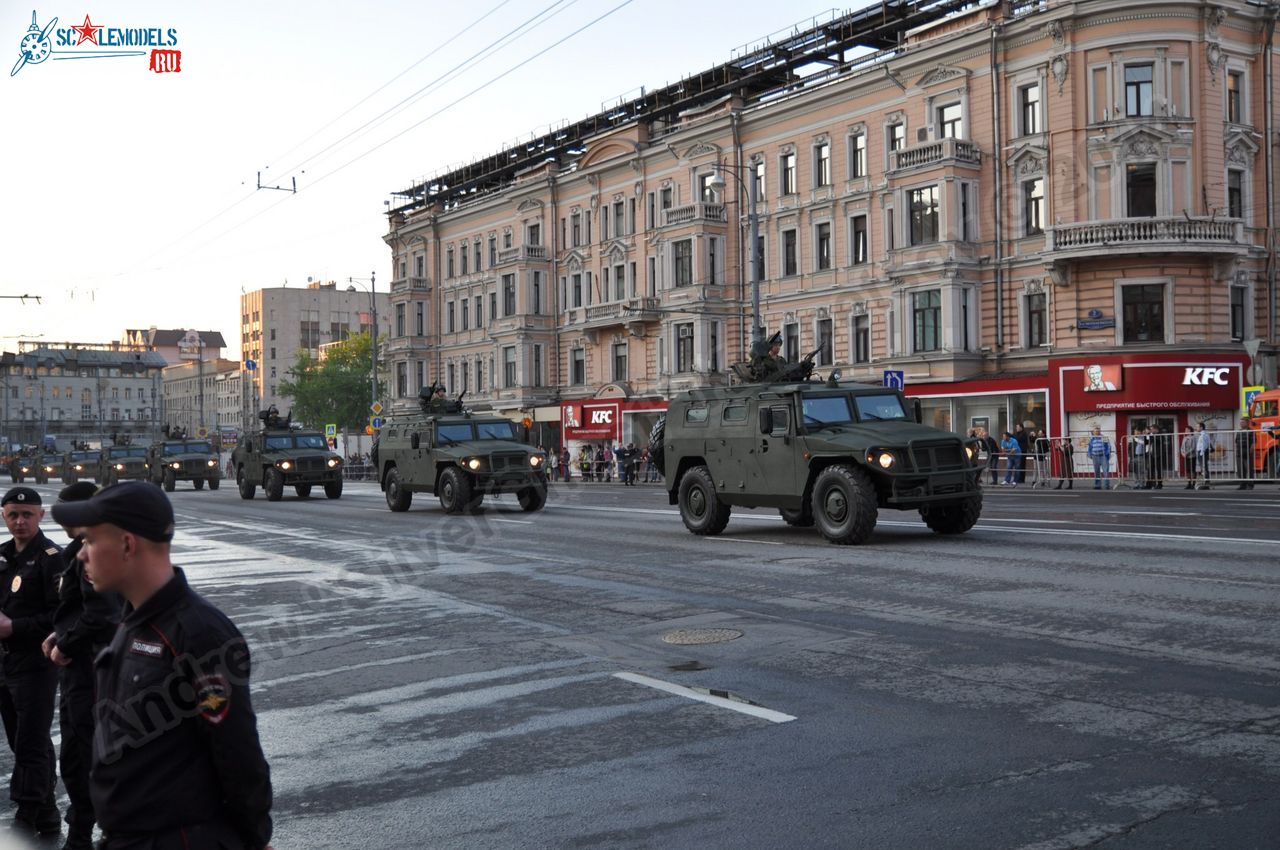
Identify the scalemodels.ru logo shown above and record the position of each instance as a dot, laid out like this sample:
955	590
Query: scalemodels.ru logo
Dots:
89	40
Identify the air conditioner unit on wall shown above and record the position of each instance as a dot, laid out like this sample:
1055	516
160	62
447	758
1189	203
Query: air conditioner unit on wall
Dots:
922	134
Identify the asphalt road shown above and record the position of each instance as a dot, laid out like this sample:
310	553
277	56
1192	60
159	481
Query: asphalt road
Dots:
1081	670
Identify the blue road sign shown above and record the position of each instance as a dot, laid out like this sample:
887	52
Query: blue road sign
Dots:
894	379
250	364
376	422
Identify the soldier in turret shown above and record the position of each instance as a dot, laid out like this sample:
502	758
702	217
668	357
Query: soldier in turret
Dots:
767	362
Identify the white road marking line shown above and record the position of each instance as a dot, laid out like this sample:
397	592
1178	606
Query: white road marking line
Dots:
720	702
1153	513
1213	580
745	540
1040	521
516	521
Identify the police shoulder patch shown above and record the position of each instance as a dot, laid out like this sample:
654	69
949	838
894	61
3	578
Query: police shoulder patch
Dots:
213	697
52	550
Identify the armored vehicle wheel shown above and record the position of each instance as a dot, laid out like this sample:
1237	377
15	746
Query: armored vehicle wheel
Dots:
199	483
170	481
844	504
532	498
214	482
303	490
398	498
700	508
333	489
273	485
455	491
242	482
657	454
954	518
113	477
800	518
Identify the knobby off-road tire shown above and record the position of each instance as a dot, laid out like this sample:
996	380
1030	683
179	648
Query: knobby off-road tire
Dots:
198	483
700	507
844	504
213	483
273	485
242	482
398	498
303	490
533	497
953	518
657	454
455	491
170	480
333	489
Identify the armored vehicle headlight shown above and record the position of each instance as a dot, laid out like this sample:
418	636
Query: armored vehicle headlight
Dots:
119	466
535	460
885	459
970	451
472	463
48	469
285	465
333	461
77	467
177	464
211	463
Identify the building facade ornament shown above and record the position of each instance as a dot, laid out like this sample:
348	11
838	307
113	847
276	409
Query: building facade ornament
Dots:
1058	67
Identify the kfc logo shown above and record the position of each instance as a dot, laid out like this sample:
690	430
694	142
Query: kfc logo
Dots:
571	419
1202	377
603	416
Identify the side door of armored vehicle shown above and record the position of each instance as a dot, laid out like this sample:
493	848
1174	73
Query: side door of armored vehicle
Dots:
735	463
776	462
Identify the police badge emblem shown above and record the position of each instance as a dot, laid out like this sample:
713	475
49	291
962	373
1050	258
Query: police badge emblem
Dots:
17	583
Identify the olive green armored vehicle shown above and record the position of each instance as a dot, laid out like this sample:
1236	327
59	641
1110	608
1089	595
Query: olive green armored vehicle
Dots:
121	463
826	453
177	458
77	464
281	455
457	456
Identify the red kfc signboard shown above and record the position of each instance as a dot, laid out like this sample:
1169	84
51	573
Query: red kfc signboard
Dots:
591	420
1148	382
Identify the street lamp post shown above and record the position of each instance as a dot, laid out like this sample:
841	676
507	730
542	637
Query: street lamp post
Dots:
753	223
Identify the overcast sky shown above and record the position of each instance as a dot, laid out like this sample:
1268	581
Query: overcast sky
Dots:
129	196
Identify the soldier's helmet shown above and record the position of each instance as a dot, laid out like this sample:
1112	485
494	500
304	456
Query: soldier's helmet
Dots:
776	339
760	348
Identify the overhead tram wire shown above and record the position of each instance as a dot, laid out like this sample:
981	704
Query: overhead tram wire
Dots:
510	36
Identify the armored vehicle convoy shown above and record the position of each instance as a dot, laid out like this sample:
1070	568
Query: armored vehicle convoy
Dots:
281	454
78	464
22	467
121	463
826	453
179	459
457	456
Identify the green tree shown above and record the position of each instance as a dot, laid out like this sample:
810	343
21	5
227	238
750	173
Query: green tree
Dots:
335	389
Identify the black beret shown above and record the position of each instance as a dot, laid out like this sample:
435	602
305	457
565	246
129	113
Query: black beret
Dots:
21	495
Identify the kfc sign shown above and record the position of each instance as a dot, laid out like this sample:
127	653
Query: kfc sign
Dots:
602	417
591	420
1202	377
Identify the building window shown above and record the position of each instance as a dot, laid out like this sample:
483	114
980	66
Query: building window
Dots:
508	295
452	381
787	173
402	380
465	323
619	361
476	250
713	347
1033	207
480	313
924	215
713	248
1235	97
822	245
968	228
822	165
536	377
759	178
1238	294
862	339
575	228
448	264
535	292
705	193
493	261
682	253
858	240
463	262
788	252
949	122
1140	189
508	366
1143	312
420	318
399	320
791	342
620	278
897	136
1137	90
890	236
448	313
826	349
858	155
578	367
619	218
926	320
1235	193
533	234
1036	314
684	347
479	375
1029	109
577	289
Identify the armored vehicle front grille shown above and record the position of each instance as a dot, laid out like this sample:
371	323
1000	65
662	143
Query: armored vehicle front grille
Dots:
194	465
510	462
310	464
930	457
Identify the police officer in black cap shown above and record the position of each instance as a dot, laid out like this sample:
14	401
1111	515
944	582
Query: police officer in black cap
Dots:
177	764
82	627
29	569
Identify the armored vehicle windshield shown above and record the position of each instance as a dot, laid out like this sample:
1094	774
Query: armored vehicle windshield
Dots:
127	451
285	442
172	447
457	432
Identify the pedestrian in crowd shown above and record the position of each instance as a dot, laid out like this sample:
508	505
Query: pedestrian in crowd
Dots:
29	567
993	454
1189	458
1012	452
176	758
1204	448
586	459
1041	449
1138	459
1024	447
604	463
82	627
1245	444
620	458
1066	457
1157	457
632	463
1099	452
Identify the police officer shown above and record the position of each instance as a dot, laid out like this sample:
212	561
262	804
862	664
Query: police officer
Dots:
176	757
29	569
82	626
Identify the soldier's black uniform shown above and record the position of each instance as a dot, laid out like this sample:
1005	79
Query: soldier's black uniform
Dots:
84	623
28	597
176	758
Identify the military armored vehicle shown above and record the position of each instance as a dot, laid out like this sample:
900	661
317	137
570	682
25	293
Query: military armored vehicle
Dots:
281	454
78	464
458	456
826	453
121	463
22	467
48	466
177	458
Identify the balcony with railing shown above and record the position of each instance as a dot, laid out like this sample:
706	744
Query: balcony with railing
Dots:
410	284
700	211
941	152
629	311
1179	234
523	254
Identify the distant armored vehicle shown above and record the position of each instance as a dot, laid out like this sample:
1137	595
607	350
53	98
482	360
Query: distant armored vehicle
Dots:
179	459
280	455
457	456
48	467
121	463
78	464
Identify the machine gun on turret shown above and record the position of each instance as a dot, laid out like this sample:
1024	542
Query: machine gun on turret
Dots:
432	400
271	418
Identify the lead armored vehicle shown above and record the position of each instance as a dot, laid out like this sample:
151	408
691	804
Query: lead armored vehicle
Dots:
77	464
281	454
177	458
457	456
121	463
826	453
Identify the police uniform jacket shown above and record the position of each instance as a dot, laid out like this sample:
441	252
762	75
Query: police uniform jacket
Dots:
85	620
176	739
28	597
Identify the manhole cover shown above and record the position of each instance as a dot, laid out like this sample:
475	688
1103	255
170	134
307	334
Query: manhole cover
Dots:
691	637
